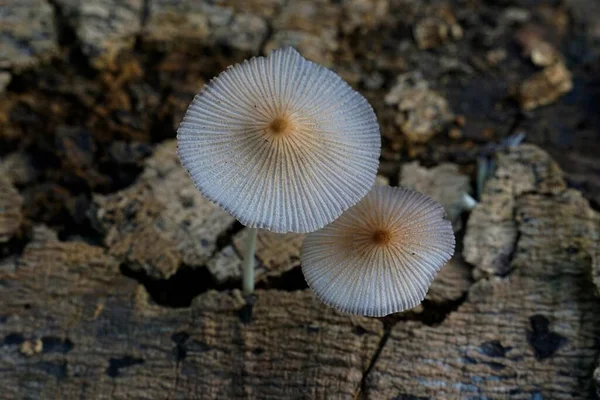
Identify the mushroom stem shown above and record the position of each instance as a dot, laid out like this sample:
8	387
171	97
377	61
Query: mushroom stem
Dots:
248	283
468	201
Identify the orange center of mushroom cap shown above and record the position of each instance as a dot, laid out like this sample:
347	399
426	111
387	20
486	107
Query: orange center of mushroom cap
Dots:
279	125
381	236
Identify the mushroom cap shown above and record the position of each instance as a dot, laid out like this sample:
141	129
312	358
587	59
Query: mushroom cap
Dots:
281	143
381	255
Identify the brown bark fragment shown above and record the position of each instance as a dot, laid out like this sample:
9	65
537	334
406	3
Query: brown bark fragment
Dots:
226	266
104	27
162	221
437	26
262	8
10	210
597	378
492	228
8	265
207	23
28	32
452	282
363	15
277	253
101	338
530	334
5	79
431	32
18	168
422	112
595	256
309	26
444	183
31	347
319	17
310	45
545	87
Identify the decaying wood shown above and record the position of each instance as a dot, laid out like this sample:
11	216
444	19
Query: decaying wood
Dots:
18	168
5	79
73	327
311	26
597	378
10	210
276	252
545	86
531	334
492	228
422	112
275	255
444	183
595	256
162	221
204	21
363	15
104	27
452	282
28	32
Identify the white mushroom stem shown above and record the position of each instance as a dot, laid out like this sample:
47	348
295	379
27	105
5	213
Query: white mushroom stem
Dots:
468	201
248	283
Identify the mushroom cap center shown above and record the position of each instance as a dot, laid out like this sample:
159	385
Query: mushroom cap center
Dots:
279	125
381	236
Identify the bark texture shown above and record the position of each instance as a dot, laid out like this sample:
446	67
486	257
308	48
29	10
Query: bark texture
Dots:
10	210
74	327
162	221
28	32
492	228
104	27
452	282
276	254
136	300
530	334
444	183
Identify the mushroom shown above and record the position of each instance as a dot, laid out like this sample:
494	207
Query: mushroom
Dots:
281	143
381	255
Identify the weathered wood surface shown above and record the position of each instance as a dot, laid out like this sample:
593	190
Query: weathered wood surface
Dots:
104	27
493	226
161	224
595	256
28	33
90	90
74	327
275	255
10	210
532	333
162	221
452	282
444	183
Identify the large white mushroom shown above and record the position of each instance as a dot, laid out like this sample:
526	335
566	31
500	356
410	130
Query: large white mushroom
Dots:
381	255
281	143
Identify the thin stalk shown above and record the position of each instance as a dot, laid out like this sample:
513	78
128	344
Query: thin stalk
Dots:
468	201
248	283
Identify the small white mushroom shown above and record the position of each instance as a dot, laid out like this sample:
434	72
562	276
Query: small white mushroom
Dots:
381	255
281	143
